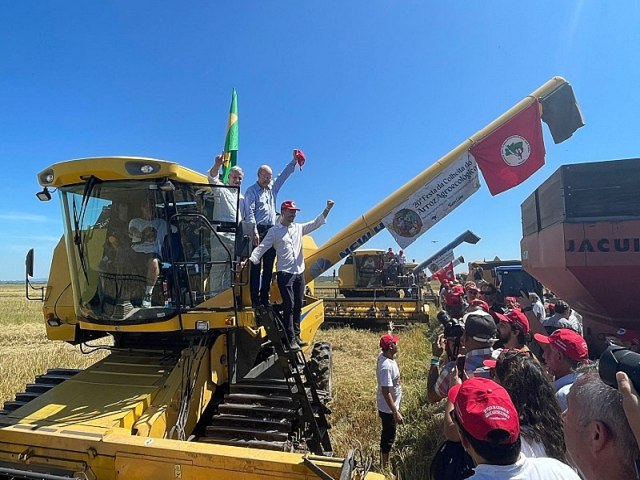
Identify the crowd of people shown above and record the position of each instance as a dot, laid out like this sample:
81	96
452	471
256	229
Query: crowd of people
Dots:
523	400
380	270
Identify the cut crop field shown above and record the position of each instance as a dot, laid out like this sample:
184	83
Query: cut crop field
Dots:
26	352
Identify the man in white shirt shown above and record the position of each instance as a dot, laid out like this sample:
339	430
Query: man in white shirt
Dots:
388	394
537	308
563	317
225	209
226	199
489	428
147	238
286	238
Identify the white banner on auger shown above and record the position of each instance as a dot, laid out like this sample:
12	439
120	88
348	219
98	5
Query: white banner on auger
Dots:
434	201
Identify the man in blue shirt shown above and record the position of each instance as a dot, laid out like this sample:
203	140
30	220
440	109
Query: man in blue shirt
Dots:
260	207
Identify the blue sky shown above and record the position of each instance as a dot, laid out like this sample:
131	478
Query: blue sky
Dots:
372	91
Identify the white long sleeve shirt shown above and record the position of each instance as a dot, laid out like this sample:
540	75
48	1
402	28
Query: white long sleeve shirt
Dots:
287	240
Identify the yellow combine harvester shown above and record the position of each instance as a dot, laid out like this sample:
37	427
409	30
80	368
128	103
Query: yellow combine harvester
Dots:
198	384
375	289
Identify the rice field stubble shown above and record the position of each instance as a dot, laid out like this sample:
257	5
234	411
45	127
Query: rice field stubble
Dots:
26	352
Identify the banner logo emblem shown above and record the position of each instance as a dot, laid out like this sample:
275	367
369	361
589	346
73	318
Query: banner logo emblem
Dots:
515	150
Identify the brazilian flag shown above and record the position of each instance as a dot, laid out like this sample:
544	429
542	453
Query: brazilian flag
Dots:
231	140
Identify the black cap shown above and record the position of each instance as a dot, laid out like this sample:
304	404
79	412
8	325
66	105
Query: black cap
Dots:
480	327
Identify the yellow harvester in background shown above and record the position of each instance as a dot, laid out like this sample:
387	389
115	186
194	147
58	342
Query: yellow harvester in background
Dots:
375	289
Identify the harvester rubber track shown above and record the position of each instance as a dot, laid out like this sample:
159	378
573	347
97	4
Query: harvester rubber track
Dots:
258	413
43	383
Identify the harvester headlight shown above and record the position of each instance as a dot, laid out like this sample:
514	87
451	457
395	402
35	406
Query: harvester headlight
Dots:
44	195
202	325
137	167
46	177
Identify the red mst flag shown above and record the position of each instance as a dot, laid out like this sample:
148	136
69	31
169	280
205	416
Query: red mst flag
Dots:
513	152
445	273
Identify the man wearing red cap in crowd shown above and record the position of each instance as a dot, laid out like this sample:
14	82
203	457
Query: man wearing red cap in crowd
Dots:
444	289
511	303
388	395
286	238
471	292
260	208
513	330
489	428
564	351
454	301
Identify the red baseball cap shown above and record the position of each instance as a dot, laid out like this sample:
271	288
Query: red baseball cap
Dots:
490	362
289	205
387	339
497	316
519	320
568	342
481	406
457	290
480	303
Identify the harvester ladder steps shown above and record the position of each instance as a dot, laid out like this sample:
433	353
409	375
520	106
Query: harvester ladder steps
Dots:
300	381
257	412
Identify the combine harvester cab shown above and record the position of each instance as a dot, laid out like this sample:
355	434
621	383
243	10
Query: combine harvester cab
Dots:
198	384
373	290
581	239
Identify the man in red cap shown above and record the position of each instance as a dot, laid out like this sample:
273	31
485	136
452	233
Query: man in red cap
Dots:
513	330
564	351
286	238
489	429
388	395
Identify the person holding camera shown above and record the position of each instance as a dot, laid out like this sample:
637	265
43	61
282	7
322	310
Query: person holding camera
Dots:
474	337
599	440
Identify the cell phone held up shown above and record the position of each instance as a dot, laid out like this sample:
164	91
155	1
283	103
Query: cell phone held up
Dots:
460	365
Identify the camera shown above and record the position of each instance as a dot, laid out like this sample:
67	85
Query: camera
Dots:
619	359
453	328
